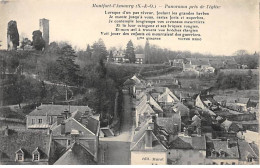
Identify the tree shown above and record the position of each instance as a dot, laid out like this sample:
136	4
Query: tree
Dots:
130	53
25	42
38	42
110	58
241	52
67	67
147	52
139	49
89	52
99	51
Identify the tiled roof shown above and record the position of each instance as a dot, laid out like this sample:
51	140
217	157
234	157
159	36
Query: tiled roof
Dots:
168	123
187	142
140	133
179	143
92	125
71	124
227	124
218	145
56	109
139	55
76	155
246	150
156	144
129	82
199	143
255	148
27	141
181	108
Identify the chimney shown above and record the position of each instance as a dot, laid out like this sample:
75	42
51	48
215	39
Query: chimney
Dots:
148	99
48	131
154	118
59	119
148	138
84	119
151	125
185	131
67	113
228	143
62	128
199	131
6	131
64	115
175	129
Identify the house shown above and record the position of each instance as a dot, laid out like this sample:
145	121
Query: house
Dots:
170	124
223	62
233	103
177	63
205	102
187	150
76	154
146	148
167	97
222	152
196	123
247	154
164	95
139	58
118	57
46	115
81	130
128	86
24	147
181	109
198	64
229	126
147	107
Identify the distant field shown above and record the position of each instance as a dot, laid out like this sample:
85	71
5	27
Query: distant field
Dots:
239	71
169	75
252	94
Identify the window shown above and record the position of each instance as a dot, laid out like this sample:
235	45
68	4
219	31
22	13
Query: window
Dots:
249	159
233	163
39	121
20	157
36	157
214	163
222	163
33	121
68	142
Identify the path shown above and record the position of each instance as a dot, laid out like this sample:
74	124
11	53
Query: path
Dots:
116	150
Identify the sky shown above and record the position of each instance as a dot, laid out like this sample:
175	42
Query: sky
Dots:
233	27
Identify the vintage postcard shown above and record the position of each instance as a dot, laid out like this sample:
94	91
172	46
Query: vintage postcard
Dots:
129	82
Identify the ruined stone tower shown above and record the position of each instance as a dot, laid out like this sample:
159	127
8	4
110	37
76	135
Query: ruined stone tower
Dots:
44	28
12	35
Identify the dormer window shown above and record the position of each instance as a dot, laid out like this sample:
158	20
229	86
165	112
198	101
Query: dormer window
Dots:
222	153
36	154
19	155
36	157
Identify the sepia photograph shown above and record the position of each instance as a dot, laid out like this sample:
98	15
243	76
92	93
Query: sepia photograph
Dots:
129	82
